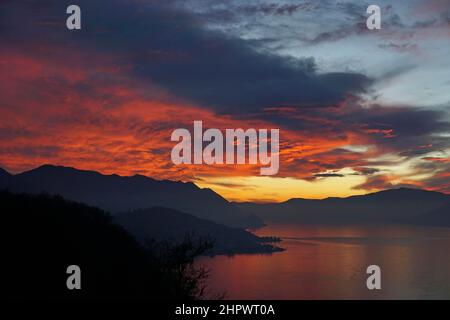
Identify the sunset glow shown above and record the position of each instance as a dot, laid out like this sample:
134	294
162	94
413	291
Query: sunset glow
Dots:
107	101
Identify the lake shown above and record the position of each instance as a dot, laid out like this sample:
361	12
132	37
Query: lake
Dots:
329	262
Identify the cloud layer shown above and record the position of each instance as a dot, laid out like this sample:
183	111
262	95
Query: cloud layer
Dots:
107	97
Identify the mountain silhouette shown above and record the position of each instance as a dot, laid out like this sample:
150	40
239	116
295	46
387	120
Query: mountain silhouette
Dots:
115	193
163	224
439	217
42	235
5	178
389	206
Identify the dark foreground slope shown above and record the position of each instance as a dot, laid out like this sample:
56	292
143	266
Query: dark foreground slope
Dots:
170	225
115	193
43	235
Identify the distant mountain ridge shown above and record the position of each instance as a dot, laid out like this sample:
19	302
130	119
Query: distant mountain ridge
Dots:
115	193
439	217
389	206
5	177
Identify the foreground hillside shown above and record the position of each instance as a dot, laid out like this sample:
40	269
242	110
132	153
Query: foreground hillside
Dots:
164	224
43	235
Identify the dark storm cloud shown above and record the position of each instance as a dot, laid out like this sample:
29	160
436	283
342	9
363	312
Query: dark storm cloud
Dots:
325	164
406	121
170	48
410	131
329	175
276	8
366	171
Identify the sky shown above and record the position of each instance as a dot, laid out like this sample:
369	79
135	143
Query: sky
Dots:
358	110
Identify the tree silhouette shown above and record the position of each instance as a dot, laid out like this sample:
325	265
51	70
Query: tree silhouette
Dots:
43	235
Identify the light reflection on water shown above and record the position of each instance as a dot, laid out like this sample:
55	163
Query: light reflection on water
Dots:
329	262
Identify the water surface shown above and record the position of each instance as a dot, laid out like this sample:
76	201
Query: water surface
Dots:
329	262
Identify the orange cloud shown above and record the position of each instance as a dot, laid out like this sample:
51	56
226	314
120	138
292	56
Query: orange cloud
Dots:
85	111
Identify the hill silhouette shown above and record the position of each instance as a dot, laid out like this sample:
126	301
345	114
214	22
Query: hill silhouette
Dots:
389	206
5	178
115	193
170	225
439	217
42	235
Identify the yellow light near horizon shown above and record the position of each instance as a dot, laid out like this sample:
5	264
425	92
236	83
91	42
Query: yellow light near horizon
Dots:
273	189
